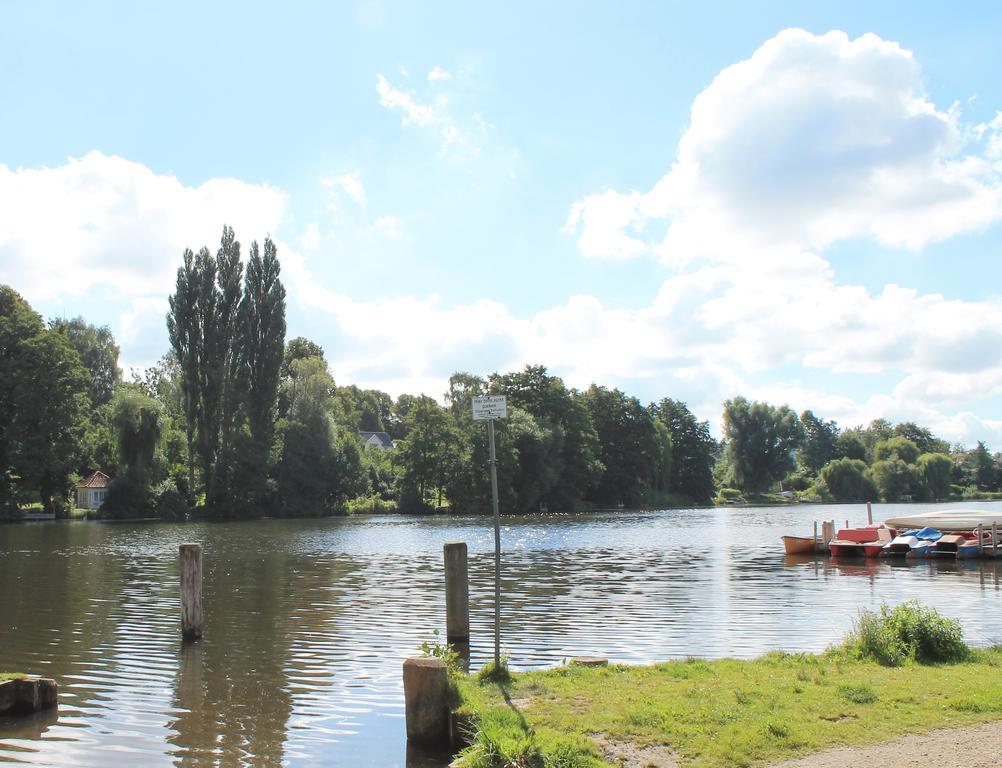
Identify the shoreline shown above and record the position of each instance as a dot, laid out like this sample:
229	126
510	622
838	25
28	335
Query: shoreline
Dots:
778	709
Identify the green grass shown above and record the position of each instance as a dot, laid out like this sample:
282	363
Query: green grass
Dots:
725	712
11	676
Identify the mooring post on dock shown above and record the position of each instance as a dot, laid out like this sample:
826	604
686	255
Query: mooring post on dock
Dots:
869	514
191	591
981	540
457	592
815	535
995	540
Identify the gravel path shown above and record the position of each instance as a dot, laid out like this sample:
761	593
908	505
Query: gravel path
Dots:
978	746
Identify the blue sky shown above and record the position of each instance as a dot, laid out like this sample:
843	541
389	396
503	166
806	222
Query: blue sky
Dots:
794	202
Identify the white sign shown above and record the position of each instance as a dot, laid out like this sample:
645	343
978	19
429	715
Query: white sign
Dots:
490	407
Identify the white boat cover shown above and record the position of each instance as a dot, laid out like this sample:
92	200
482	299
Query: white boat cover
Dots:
948	520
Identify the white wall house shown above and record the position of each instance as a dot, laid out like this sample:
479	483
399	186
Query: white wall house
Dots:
91	493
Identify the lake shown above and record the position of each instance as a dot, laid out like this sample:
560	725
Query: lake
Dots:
307	622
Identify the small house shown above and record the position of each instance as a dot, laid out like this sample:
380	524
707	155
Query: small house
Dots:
378	440
91	493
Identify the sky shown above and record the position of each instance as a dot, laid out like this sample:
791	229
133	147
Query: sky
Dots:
793	202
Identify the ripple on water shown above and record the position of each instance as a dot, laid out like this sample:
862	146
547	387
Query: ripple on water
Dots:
307	622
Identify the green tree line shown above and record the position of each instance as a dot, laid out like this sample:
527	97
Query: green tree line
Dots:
235	421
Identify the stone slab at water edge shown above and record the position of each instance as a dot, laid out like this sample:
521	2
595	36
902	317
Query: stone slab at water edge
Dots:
25	695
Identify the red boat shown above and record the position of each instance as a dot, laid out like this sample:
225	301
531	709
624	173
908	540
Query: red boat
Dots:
861	542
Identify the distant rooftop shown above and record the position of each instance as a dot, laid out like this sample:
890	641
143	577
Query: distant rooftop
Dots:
385	441
96	480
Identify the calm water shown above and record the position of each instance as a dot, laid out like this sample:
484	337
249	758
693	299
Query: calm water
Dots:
307	622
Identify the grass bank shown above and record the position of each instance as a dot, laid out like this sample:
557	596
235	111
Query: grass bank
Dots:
725	712
11	676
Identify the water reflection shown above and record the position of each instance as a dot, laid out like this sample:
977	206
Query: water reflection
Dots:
307	622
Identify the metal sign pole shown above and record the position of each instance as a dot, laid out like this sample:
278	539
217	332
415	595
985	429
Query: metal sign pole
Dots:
497	546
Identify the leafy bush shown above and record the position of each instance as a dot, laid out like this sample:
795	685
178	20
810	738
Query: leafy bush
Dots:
848	480
371	505
127	497
729	494
168	502
909	631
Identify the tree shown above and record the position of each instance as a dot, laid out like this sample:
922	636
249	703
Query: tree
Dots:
899	447
163	383
43	407
629	446
819	445
573	467
56	409
693	450
895	479
463	387
423	454
252	388
849	445
299	348
760	443
201	326
848	480
316	472
980	469
138	422
926	441
936	470
98	352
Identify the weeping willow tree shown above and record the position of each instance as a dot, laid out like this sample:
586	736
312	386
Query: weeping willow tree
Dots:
138	423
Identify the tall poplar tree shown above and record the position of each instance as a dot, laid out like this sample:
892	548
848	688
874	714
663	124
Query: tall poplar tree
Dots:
185	340
201	325
257	355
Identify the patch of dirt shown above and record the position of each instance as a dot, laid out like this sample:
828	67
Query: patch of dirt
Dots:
630	755
978	746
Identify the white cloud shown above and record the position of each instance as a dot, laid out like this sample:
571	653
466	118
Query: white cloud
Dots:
101	228
812	140
414	113
459	137
310	239
438	74
351	184
104	222
388	226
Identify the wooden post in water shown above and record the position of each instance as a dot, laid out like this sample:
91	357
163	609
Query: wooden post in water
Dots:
995	540
815	536
426	700
869	514
457	593
981	540
191	591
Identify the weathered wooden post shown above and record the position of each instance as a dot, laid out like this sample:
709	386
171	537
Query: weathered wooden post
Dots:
191	591
815	537
426	700
995	540
457	592
981	540
869	514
